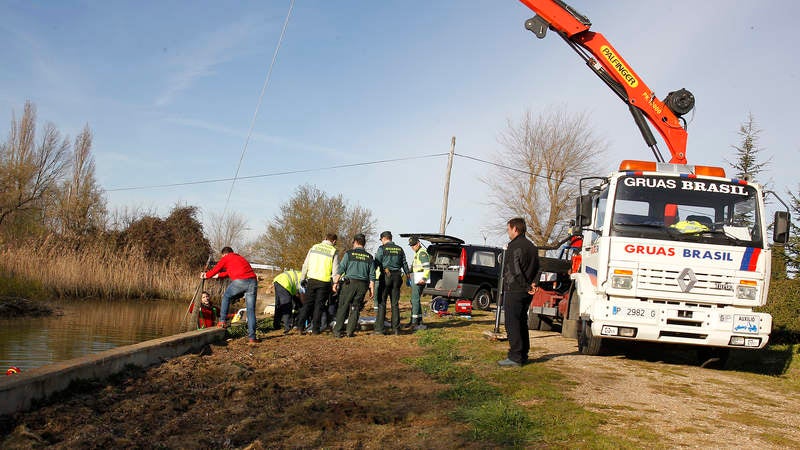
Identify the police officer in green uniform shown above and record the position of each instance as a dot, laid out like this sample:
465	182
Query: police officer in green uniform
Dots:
390	259
358	270
422	267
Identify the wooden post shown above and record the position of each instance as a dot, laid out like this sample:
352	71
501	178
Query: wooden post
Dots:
443	223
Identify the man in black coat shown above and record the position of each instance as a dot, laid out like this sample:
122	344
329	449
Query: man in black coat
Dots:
519	283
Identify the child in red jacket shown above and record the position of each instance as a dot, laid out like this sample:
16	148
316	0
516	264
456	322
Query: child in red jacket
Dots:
208	312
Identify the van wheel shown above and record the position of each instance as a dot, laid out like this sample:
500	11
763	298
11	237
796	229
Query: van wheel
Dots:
589	344
482	300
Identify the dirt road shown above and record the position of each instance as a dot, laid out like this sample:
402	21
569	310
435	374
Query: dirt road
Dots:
685	405
362	392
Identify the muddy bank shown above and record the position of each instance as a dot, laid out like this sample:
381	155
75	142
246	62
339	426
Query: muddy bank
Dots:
288	391
13	307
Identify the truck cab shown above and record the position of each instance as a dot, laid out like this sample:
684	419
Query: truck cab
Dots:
676	254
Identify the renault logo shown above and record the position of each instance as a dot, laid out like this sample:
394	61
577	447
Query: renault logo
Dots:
687	280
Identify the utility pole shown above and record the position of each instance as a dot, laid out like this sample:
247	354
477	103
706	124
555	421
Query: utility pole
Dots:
443	223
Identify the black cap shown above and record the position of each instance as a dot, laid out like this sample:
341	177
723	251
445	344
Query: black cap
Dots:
412	241
386	234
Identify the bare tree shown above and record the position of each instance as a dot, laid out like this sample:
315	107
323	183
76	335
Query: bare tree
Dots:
80	205
29	171
543	158
227	231
304	220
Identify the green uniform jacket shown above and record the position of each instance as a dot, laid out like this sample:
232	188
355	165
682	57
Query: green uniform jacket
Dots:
357	264
391	256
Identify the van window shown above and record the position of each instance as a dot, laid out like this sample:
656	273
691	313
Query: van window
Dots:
485	259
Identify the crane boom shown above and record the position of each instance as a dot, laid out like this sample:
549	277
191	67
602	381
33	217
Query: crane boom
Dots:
612	68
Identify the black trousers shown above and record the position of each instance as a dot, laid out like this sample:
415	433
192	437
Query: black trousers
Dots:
317	294
516	306
350	299
393	282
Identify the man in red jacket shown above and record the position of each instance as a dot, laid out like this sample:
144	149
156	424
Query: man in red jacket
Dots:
243	282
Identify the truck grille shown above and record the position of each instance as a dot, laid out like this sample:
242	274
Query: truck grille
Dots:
666	280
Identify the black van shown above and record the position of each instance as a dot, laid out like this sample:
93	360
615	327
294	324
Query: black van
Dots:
461	271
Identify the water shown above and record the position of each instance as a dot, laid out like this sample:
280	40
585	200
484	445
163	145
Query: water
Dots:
85	327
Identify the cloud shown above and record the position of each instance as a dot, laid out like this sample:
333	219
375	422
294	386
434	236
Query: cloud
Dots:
281	143
200	58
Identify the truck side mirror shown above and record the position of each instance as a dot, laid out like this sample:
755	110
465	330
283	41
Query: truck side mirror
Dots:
780	232
583	211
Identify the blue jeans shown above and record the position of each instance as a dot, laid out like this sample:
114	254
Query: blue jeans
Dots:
248	287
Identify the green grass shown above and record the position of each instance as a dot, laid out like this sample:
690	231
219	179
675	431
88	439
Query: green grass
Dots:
516	407
239	329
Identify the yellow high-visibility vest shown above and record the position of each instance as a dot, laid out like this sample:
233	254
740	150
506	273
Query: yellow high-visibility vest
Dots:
422	266
290	280
320	261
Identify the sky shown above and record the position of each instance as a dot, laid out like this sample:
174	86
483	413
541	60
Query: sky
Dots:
170	91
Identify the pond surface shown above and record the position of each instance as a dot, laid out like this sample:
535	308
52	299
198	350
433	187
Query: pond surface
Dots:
82	327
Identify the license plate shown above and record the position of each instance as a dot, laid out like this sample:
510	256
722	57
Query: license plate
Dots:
745	323
609	331
633	313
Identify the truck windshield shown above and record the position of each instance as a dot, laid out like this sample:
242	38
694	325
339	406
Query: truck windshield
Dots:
686	209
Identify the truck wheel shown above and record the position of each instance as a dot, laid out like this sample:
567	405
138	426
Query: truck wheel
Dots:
534	320
570	326
545	323
589	344
482	300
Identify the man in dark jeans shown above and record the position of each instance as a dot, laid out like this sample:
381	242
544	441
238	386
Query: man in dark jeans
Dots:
519	270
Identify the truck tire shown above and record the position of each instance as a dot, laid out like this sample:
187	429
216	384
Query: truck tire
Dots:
534	321
545	323
571	324
482	299
588	343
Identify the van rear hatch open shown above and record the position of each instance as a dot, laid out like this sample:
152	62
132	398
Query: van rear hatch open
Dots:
446	263
434	238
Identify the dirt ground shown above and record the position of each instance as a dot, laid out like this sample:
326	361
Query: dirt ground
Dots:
685	405
315	391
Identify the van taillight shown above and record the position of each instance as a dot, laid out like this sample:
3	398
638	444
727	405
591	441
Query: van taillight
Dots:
462	264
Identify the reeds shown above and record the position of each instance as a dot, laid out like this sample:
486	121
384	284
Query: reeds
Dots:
97	270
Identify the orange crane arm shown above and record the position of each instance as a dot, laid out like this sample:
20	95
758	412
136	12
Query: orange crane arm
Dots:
612	68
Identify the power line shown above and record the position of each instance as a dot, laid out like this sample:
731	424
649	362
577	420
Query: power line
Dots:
318	169
258	106
273	174
535	175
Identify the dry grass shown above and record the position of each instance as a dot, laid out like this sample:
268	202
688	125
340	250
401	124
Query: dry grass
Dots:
98	271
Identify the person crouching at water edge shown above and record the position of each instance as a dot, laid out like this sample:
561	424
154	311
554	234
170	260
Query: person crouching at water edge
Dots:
243	282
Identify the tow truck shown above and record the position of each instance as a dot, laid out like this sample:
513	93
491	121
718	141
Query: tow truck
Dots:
666	251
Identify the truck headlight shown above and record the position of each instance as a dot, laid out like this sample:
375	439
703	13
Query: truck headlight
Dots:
746	292
621	282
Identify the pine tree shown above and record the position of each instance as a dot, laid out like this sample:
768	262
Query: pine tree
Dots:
747	166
